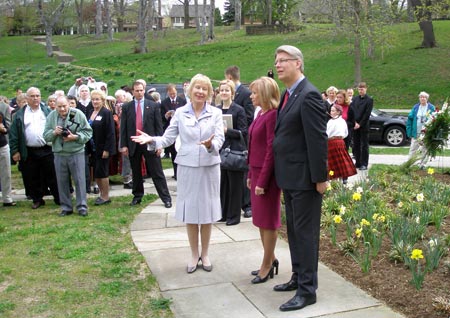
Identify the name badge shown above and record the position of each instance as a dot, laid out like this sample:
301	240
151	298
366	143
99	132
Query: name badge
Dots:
98	118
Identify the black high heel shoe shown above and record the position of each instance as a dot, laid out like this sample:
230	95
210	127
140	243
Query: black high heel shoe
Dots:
274	264
259	280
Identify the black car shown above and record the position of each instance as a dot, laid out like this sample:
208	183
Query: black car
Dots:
387	128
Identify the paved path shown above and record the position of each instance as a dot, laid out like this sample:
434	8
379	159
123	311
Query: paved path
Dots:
235	251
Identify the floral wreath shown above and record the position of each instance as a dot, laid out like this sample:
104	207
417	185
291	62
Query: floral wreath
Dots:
435	131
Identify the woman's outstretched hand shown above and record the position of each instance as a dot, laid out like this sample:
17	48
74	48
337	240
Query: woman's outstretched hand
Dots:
142	138
208	142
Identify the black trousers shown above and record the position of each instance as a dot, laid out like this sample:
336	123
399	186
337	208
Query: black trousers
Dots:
303	210
361	147
173	155
39	173
231	190
246	204
154	169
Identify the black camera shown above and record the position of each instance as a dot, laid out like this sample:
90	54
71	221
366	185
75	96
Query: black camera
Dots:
65	132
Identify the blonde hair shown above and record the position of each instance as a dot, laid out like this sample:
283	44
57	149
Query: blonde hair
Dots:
230	83
99	93
268	92
202	79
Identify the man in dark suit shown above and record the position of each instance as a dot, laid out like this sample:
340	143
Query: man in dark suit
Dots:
300	155
242	98
362	106
144	115
168	107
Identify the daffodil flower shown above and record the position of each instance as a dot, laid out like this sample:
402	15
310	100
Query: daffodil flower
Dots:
337	219
430	171
364	222
331	173
342	210
358	233
419	197
356	196
400	204
359	189
416	254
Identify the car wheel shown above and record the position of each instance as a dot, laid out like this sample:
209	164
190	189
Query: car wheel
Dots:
395	136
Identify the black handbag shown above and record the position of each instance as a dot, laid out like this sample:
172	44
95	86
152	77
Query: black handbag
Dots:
234	160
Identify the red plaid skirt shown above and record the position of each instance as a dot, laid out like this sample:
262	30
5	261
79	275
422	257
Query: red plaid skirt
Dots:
339	161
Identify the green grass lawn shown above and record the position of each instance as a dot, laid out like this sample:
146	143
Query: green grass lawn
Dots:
175	56
73	266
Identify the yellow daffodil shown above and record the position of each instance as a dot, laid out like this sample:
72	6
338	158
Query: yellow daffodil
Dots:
342	210
381	218
416	254
358	232
356	196
329	187
400	204
331	173
430	171
374	231
337	219
375	216
364	222
419	197
359	189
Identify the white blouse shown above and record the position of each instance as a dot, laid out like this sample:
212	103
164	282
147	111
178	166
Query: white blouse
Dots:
337	127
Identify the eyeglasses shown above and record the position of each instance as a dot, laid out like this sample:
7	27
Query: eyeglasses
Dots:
281	61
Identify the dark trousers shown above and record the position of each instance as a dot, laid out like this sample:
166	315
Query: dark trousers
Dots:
246	204
39	173
361	147
231	189
303	210
173	155
154	169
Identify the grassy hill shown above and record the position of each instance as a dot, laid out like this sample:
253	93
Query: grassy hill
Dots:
395	76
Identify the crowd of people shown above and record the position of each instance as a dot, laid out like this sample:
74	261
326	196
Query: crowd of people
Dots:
296	141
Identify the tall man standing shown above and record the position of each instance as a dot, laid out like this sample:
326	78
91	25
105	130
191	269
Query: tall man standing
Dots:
29	148
362	106
144	115
300	154
242	98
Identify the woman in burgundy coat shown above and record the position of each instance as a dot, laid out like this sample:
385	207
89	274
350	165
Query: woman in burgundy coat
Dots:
265	194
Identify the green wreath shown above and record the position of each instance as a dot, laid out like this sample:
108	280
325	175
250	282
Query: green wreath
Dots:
436	130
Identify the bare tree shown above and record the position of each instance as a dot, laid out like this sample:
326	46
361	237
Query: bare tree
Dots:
143	10
203	24
212	9
49	17
237	14
269	11
185	4
79	10
197	20
119	12
98	19
423	11
109	26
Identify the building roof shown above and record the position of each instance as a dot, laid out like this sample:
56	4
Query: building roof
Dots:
177	10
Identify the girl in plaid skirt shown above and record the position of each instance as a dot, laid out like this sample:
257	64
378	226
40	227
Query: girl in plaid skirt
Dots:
340	164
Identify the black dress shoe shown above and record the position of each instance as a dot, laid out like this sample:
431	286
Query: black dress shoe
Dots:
9	203
83	213
248	213
135	201
37	204
65	213
128	185
232	223
363	168
298	302
292	284
168	204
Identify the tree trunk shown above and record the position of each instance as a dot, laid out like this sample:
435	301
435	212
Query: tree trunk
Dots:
141	29
357	48
98	19
211	19
237	15
48	40
49	20
160	26
422	11
79	9
186	14
197	17
119	8
203	24
108	20
269	12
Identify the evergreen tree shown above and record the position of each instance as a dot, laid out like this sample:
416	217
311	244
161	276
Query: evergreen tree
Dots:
228	16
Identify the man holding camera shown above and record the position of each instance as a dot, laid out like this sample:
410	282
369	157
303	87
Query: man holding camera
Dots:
68	130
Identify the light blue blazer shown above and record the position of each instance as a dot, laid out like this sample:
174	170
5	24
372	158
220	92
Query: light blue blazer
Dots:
192	130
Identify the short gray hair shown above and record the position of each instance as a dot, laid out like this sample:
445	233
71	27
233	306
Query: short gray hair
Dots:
425	94
293	52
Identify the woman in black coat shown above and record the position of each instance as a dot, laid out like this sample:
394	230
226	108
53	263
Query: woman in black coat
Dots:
103	143
231	182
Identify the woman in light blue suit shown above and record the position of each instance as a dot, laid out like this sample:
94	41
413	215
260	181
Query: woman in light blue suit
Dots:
200	129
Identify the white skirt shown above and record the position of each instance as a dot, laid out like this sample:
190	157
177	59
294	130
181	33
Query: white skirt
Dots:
198	194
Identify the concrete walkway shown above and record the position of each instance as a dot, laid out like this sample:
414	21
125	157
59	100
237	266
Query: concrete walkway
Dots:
235	251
